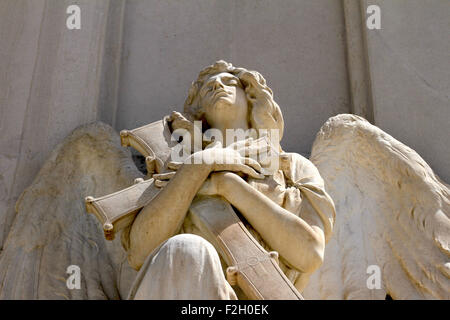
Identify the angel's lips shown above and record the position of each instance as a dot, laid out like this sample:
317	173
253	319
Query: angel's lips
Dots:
220	94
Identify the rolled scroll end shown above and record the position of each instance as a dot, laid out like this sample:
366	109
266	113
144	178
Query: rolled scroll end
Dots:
231	275
88	203
124	138
274	255
108	230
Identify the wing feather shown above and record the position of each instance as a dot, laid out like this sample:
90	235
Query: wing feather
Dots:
392	211
52	231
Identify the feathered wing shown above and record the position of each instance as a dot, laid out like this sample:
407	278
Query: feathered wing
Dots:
392	211
52	230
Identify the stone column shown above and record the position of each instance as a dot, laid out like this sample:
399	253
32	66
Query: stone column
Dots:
357	59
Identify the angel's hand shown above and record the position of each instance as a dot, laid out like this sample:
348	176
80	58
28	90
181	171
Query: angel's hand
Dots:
209	188
260	149
218	158
251	147
178	121
162	179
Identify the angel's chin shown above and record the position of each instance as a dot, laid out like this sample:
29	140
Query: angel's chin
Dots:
223	103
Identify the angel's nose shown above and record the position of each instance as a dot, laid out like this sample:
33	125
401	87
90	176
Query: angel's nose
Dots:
218	84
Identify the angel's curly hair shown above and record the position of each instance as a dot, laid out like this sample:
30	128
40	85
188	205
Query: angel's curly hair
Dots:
264	111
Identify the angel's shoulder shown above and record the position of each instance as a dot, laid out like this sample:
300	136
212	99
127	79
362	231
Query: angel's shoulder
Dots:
299	169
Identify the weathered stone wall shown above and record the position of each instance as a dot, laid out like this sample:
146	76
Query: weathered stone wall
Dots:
298	46
409	61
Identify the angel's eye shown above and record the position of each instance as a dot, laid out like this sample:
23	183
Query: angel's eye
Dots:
205	89
232	82
235	82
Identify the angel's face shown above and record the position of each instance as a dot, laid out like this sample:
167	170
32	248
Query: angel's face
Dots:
223	99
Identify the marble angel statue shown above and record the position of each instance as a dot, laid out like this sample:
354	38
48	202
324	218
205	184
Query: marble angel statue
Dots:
363	199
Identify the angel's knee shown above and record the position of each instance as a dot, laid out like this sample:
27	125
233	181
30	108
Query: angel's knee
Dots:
186	266
189	247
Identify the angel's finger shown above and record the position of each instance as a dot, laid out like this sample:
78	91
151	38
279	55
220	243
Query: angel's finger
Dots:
253	151
181	124
248	171
174	165
238	148
174	115
240	144
160	183
253	163
164	176
265	160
